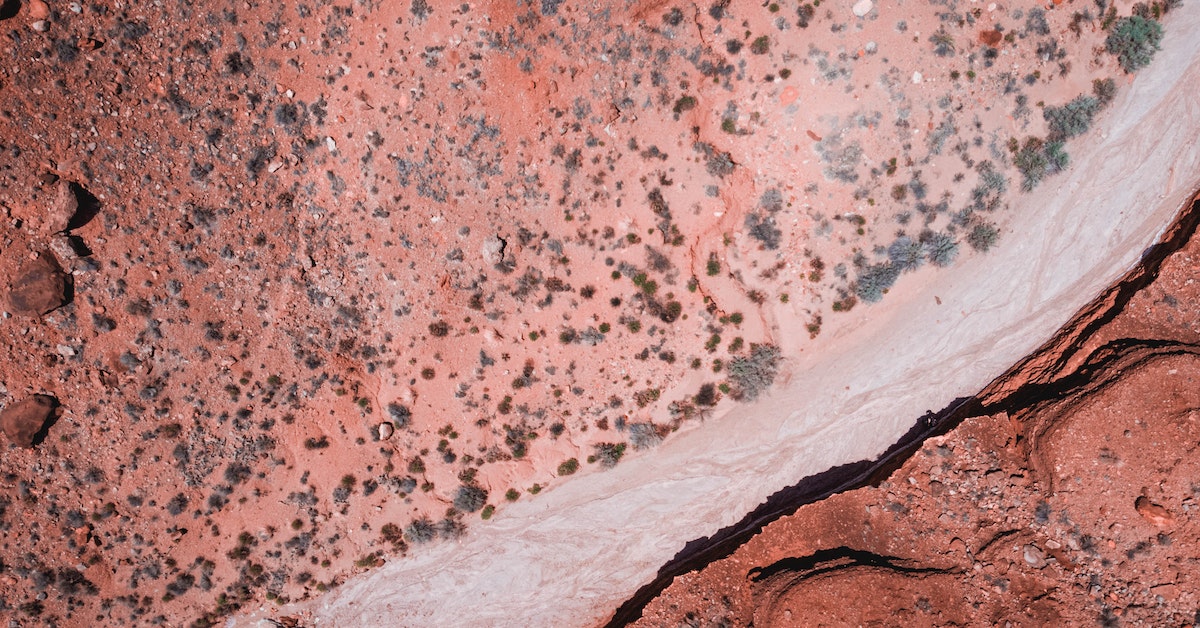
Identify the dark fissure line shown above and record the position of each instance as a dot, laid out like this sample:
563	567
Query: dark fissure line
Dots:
699	553
836	559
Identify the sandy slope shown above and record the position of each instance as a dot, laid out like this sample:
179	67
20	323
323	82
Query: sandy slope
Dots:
570	556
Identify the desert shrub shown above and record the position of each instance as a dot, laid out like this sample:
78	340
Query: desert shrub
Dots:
568	467
986	195
470	498
400	415
608	454
756	372
1134	40
1031	161
451	528
842	160
1104	90
940	248
763	229
983	237
685	103
316	443
771	200
420	531
943	43
391	533
1035	22
713	267
906	253
874	280
1073	118
1056	157
918	187
643	435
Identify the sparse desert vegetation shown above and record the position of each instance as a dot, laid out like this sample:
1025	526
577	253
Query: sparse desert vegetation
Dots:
298	289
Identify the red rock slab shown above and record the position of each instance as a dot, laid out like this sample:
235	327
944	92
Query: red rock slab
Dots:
25	421
40	287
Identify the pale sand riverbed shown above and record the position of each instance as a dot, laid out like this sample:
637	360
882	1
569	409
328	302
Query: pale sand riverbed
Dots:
575	553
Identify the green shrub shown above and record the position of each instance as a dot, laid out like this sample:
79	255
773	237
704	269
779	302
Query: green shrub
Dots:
756	372
1073	118
1056	157
940	248
1104	90
1134	40
568	467
685	103
1031	161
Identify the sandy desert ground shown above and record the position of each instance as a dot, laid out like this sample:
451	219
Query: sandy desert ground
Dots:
850	394
487	301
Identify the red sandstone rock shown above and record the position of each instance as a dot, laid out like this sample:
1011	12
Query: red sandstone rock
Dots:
40	286
23	421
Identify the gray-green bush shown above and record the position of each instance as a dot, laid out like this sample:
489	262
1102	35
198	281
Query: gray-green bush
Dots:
763	229
756	372
1073	118
874	280
941	248
906	253
1134	40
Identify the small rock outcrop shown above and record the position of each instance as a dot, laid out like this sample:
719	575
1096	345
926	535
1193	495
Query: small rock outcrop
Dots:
25	422
40	287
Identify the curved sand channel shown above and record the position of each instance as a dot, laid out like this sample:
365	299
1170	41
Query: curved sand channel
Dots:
573	554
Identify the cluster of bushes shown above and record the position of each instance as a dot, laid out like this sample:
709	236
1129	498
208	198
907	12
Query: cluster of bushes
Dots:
905	254
1133	40
1073	118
